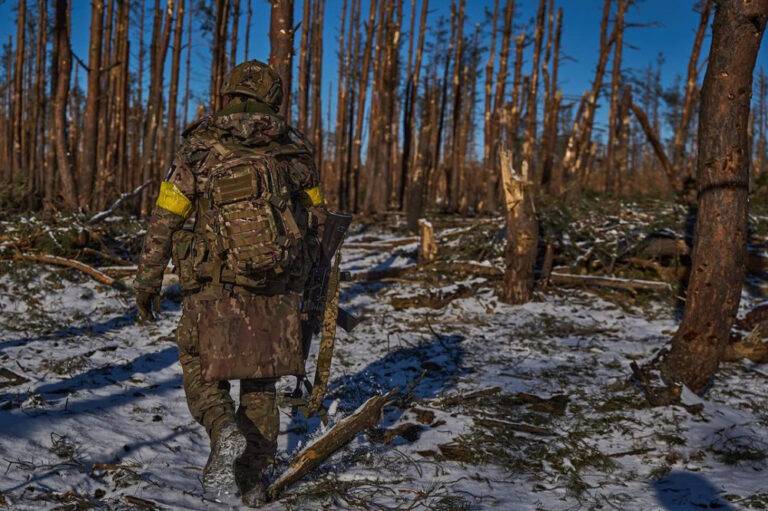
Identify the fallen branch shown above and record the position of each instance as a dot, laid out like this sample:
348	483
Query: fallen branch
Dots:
92	272
365	417
98	217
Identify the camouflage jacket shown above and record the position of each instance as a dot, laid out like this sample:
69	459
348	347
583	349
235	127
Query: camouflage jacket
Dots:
243	127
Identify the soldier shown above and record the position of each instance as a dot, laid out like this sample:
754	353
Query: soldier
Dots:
240	213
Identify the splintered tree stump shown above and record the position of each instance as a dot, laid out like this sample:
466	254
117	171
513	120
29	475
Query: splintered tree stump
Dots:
365	417
522	231
427	243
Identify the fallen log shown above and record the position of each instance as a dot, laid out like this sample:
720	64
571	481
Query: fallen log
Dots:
381	245
749	348
365	417
567	279
92	272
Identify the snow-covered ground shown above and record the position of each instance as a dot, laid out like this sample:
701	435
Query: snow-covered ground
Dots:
500	407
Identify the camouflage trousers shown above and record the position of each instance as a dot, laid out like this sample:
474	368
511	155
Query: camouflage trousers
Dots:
212	405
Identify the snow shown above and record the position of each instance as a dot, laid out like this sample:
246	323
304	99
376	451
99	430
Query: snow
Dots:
103	415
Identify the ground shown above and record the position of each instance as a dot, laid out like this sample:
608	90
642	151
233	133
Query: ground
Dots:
499	406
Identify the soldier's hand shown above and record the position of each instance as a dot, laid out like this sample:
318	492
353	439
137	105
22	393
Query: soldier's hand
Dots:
148	303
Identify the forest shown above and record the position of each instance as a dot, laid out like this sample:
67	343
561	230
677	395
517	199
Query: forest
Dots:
560	298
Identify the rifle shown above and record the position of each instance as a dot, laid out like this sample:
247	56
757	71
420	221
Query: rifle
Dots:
320	305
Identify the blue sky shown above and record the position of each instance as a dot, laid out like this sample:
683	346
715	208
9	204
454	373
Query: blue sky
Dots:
671	30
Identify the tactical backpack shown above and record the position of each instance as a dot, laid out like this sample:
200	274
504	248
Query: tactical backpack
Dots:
248	219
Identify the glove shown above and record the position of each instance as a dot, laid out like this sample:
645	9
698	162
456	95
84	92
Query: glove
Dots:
148	302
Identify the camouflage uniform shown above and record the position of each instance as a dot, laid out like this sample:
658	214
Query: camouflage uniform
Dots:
248	120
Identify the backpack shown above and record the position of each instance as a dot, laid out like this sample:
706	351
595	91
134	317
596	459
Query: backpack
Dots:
248	217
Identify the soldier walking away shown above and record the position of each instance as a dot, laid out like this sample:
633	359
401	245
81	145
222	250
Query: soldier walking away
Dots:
241	215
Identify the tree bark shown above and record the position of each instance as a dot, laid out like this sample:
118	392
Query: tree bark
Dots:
719	251
281	48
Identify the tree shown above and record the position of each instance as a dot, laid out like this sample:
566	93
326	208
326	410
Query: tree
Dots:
92	103
719	251
63	73
281	48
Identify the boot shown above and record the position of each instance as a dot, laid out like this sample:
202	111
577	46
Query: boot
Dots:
227	445
251	477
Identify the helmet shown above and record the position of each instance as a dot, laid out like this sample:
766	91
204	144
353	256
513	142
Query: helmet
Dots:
255	79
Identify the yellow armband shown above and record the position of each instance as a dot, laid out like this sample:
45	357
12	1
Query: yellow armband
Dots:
312	196
171	199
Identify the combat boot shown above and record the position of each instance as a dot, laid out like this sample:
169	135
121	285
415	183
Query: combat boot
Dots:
227	445
251	477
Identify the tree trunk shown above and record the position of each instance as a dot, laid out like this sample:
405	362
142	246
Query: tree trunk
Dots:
17	108
248	22
235	27
719	251
522	231
498	103
91	118
691	86
219	53
529	143
579	142
411	173
454	167
173	88
552	173
60	138
305	66
281	48
611	177
317	81
160	37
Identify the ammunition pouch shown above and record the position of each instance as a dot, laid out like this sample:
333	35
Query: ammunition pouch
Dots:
182	255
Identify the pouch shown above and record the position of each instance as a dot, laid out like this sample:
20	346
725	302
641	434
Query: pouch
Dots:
244	335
